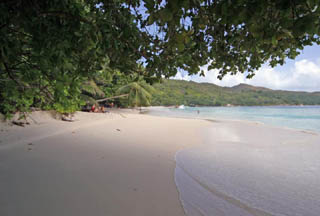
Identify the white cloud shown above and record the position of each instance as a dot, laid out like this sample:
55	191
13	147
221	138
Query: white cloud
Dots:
180	76
304	75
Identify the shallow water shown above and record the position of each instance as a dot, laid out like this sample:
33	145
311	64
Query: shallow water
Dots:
298	117
246	168
233	175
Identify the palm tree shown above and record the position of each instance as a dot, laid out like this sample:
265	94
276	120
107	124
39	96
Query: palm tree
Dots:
90	91
139	93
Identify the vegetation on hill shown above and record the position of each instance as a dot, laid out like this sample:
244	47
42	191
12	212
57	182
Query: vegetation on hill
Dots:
176	92
52	50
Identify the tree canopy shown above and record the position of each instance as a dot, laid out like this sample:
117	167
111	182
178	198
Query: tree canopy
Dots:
48	49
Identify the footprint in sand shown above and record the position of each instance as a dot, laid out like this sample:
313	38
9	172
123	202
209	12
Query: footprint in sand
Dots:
29	148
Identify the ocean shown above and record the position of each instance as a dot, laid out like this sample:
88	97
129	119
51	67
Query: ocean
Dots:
297	117
246	168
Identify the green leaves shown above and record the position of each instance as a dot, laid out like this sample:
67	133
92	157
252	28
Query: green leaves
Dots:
52	48
180	47
165	15
139	93
274	41
151	19
91	88
177	92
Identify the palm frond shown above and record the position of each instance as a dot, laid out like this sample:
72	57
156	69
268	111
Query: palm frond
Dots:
91	87
88	99
139	94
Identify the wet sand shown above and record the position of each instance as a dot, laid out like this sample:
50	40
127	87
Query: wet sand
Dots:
251	169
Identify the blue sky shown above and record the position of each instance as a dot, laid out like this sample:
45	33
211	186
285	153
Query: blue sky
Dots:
301	74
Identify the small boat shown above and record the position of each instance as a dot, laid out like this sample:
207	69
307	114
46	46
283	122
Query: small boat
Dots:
181	107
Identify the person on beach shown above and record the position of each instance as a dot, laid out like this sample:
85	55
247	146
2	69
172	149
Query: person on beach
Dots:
93	108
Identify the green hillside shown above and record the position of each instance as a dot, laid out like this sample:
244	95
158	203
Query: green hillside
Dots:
175	92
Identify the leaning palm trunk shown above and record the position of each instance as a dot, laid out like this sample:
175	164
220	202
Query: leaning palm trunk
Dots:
109	98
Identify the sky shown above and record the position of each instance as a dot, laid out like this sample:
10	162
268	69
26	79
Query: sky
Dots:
301	74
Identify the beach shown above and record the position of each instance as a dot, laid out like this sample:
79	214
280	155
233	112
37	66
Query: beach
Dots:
118	163
246	168
126	163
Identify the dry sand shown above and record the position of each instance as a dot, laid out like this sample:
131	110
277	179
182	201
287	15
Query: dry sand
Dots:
112	164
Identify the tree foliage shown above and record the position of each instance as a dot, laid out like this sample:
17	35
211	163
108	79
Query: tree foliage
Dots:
231	36
139	94
177	92
48	49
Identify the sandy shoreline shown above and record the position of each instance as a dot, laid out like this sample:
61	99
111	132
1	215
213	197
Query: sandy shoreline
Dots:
123	163
246	168
101	164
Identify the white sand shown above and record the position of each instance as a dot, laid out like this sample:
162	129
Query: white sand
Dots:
102	164
122	163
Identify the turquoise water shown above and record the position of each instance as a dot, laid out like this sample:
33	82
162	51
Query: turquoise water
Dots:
297	117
